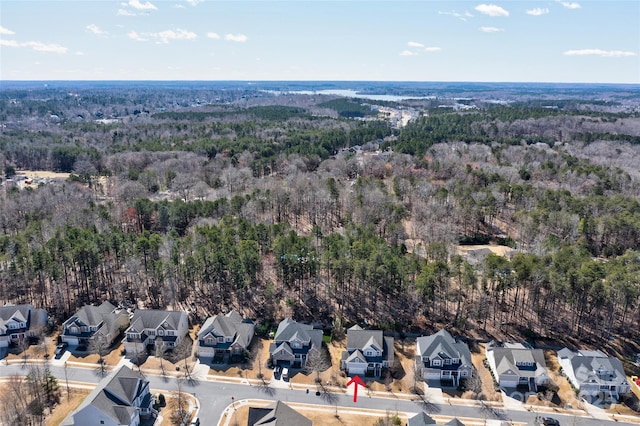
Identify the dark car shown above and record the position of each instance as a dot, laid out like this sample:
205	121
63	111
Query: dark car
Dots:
277	370
549	421
60	348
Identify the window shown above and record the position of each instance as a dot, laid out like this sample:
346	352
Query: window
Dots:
435	362
171	333
209	340
152	333
296	345
220	339
368	353
73	329
447	362
160	332
455	361
229	339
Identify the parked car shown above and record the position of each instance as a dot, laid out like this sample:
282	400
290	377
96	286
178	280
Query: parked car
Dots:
549	421
61	348
277	371
285	374
195	422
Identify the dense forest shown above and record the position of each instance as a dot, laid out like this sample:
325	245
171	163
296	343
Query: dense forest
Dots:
313	206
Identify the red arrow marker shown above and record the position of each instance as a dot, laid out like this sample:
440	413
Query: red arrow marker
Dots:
356	380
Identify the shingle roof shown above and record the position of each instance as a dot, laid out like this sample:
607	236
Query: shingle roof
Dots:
507	358
443	344
279	414
92	315
152	318
586	368
115	394
229	325
288	329
421	419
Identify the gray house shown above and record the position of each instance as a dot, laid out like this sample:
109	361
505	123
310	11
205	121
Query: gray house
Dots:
442	359
91	322
594	374
516	365
19	322
121	398
368	352
149	326
292	343
225	336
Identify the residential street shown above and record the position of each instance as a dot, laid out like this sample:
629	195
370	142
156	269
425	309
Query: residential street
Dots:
215	397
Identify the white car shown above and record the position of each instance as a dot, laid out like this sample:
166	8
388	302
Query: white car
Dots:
285	374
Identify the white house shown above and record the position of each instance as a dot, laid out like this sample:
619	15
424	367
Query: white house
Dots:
19	322
90	321
121	398
595	375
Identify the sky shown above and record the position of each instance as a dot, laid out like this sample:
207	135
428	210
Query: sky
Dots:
584	41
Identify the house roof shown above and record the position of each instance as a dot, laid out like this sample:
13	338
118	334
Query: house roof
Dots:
595	367
33	318
229	325
115	395
288	330
454	422
420	419
360	339
90	315
152	318
506	360
277	414
443	345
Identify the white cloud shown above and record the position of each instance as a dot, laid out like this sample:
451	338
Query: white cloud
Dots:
239	38
570	5
491	10
124	12
163	37
6	31
490	29
137	37
166	36
9	43
461	16
95	29
194	2
600	52
416	48
36	45
213	35
137	4
538	11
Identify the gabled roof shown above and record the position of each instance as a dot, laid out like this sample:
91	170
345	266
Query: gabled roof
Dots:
420	419
587	364
90	315
506	360
443	345
152	318
454	422
277	414
289	330
19	313
360	339
229	325
115	394
355	355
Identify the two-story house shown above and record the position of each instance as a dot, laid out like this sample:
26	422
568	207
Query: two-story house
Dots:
225	337
90	322
368	352
150	326
516	365
442	360
594	374
292	343
19	322
122	398
276	414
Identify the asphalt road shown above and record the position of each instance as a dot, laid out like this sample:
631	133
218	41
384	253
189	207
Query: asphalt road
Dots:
215	398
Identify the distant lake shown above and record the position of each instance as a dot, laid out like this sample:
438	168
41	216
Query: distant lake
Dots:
347	93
